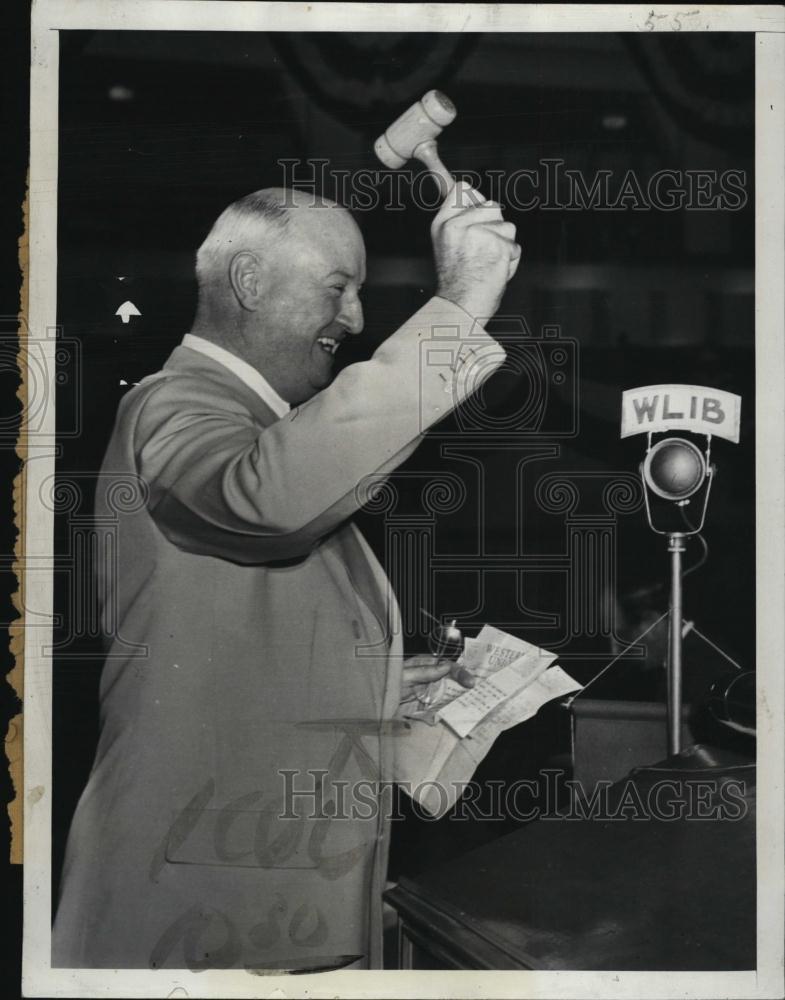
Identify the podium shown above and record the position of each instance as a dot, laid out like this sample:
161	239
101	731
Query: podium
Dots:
611	737
600	894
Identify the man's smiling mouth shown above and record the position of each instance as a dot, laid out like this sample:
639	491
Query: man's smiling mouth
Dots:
329	344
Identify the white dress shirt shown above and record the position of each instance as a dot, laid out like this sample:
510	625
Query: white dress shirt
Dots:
241	369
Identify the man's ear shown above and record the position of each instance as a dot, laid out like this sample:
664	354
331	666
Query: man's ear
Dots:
246	279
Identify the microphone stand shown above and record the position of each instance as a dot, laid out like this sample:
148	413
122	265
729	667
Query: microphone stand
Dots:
676	624
676	546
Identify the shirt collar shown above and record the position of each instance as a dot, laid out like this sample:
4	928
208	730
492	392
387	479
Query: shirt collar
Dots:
241	369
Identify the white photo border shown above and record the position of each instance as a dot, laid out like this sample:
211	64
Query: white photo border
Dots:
768	22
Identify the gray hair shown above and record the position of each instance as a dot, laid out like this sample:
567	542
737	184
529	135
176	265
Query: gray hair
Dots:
237	228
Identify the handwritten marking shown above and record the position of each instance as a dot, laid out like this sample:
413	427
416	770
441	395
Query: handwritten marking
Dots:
674	19
211	940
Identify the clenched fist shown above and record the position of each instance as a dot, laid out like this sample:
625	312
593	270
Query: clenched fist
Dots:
474	250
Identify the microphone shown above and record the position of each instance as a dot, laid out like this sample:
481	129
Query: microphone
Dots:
674	470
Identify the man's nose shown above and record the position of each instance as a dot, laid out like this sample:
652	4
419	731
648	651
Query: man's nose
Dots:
352	316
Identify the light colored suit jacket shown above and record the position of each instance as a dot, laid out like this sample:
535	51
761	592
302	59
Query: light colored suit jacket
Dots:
270	658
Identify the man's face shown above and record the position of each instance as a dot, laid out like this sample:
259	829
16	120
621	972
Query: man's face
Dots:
313	277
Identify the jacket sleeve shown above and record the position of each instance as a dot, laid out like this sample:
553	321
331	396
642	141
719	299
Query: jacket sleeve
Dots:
221	486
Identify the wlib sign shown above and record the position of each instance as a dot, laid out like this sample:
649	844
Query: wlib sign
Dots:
695	408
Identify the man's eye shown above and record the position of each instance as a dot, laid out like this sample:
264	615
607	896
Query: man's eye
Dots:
338	288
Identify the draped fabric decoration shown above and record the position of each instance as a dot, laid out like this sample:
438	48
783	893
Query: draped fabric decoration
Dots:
706	81
357	76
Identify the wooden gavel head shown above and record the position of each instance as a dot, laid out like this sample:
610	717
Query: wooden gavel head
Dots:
413	135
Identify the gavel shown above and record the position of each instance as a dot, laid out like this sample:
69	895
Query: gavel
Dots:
413	136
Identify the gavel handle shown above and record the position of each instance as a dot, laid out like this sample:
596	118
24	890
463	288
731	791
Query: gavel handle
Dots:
428	154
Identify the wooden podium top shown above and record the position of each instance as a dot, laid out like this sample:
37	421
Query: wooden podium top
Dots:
623	893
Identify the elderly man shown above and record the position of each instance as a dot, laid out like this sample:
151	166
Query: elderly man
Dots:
213	831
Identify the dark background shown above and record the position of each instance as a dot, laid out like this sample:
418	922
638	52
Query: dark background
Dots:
160	131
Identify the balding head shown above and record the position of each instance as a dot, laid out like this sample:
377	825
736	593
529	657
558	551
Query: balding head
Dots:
279	272
258	219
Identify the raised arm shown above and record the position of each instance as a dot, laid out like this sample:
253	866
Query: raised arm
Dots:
220	486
